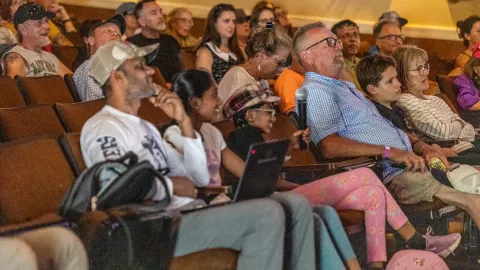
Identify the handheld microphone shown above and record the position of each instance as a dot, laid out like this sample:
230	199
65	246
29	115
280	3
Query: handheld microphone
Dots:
301	97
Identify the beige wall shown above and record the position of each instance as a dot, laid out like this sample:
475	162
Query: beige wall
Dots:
427	18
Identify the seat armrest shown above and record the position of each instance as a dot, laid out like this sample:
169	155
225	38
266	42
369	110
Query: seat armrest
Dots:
331	166
47	220
213	190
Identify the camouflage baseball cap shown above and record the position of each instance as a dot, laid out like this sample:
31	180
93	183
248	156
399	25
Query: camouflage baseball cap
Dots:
112	55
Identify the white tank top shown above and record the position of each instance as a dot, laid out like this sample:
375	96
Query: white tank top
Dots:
36	64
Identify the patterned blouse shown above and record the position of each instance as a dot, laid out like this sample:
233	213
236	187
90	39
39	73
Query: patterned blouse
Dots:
222	62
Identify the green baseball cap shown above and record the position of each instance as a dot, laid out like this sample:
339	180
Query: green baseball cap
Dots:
113	54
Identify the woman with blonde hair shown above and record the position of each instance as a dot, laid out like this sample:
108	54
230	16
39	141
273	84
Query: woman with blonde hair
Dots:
179	24
428	115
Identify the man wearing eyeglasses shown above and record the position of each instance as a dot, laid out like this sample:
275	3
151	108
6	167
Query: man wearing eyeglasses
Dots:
389	37
27	58
344	123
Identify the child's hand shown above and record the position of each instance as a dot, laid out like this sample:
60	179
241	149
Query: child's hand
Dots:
306	137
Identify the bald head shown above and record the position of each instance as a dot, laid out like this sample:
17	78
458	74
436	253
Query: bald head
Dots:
319	51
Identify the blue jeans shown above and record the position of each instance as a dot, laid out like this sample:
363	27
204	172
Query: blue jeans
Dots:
332	246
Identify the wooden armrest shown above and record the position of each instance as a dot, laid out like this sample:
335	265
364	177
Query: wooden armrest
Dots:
331	166
212	190
49	219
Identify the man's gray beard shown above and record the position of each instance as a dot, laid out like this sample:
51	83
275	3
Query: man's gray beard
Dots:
137	95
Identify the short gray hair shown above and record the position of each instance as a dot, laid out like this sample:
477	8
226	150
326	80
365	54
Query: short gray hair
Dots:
299	37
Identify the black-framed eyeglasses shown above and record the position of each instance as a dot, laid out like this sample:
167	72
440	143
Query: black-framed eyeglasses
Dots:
393	37
331	42
422	69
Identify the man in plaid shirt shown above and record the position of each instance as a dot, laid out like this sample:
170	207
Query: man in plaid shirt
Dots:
346	124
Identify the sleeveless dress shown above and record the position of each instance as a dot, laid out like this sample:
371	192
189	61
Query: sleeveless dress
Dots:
220	65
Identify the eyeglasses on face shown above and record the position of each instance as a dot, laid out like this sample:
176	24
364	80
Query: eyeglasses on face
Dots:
331	42
185	21
280	64
422	69
271	111
393	37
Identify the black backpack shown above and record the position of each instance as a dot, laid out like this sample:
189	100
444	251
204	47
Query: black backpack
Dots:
119	225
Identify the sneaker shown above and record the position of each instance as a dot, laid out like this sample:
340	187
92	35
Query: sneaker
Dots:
443	246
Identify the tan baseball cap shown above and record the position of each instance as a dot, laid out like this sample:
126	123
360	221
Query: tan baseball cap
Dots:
112	55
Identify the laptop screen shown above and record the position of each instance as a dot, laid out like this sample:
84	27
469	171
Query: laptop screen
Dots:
262	168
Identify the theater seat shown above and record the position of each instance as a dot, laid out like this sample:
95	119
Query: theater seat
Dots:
74	115
152	114
43	90
70	143
68	78
158	78
10	95
210	259
189	58
24	122
34	177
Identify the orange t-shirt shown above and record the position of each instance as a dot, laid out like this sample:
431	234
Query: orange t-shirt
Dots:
285	87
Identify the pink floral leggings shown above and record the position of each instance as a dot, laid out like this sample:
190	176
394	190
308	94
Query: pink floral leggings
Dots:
360	189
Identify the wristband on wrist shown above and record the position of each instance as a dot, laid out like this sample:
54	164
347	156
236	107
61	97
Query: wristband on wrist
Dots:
67	20
386	154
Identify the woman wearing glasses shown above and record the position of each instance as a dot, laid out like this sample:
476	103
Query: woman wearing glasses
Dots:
179	24
267	49
428	115
219	51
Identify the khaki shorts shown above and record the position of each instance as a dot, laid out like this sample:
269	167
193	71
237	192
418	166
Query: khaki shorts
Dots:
413	187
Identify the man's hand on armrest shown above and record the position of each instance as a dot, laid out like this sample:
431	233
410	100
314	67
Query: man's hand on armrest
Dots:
336	146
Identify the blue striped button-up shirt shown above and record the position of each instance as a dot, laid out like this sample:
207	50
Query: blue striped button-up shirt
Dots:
337	107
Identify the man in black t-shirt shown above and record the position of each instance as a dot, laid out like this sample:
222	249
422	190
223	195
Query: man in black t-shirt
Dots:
150	17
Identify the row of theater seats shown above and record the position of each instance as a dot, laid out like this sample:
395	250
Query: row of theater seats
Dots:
67	55
45	90
37	168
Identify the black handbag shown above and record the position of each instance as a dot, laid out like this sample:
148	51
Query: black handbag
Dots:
118	224
126	239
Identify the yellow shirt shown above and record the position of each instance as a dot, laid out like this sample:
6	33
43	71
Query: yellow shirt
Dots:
285	87
52	35
351	68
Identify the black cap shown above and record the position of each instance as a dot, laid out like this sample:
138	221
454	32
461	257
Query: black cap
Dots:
118	19
30	11
240	15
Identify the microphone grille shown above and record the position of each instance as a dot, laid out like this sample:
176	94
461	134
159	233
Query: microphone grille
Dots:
301	94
